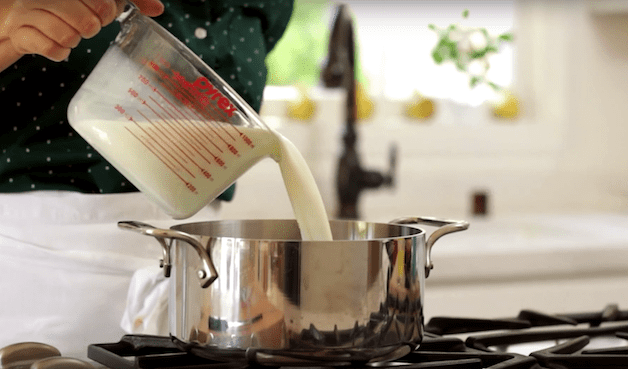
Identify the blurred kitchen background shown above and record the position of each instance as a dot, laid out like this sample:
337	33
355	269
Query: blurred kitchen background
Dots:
508	114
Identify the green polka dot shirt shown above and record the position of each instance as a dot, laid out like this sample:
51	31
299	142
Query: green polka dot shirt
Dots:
38	148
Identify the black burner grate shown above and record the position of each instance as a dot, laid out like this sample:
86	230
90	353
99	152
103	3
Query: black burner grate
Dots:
151	352
448	343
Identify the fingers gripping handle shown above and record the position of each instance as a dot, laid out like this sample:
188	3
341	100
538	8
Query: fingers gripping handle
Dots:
207	273
121	6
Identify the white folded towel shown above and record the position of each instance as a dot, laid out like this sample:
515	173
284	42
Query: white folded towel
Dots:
146	309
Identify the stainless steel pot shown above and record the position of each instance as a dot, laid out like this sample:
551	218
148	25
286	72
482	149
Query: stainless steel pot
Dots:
266	295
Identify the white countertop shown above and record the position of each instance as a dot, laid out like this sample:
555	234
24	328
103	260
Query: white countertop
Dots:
533	247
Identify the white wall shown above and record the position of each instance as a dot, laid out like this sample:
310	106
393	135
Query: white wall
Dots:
597	140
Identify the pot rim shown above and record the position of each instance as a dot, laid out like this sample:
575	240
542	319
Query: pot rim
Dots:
207	274
403	230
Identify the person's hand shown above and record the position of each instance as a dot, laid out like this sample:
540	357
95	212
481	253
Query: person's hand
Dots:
51	28
151	8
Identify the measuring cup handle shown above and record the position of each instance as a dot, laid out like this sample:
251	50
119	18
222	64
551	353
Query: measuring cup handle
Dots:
446	227
207	273
125	11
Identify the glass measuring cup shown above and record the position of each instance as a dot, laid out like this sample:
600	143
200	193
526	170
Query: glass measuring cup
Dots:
166	120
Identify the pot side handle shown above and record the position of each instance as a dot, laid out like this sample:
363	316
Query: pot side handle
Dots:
445	227
207	273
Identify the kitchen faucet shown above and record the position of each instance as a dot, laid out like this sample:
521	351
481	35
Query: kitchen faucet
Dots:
339	71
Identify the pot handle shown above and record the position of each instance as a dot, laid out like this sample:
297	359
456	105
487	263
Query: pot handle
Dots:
446	227
207	273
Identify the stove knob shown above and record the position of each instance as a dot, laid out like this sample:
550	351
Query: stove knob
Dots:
61	363
23	354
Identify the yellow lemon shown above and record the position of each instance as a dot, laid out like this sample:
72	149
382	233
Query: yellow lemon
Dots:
420	108
364	103
508	108
303	108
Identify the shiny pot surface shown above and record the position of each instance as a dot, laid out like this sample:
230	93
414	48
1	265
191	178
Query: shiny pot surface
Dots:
255	285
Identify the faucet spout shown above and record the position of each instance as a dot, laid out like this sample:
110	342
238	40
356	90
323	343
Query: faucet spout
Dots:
339	72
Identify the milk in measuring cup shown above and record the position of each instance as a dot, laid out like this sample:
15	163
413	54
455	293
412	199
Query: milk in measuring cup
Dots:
177	131
151	173
172	169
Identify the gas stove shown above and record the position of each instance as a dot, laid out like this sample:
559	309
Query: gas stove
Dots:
530	340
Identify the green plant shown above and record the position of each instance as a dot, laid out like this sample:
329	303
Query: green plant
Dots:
469	49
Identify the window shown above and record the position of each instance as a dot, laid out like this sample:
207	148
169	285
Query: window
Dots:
395	45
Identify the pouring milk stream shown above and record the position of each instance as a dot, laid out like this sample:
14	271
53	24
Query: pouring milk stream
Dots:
177	131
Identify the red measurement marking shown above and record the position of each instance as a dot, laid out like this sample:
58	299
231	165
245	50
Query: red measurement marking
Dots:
232	149
164	62
201	91
161	128
198	106
206	174
164	149
204	92
182	131
167	138
219	161
197	131
193	131
247	140
154	65
188	185
209	139
211	127
174	131
120	109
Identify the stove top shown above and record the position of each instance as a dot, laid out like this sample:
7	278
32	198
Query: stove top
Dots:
530	340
